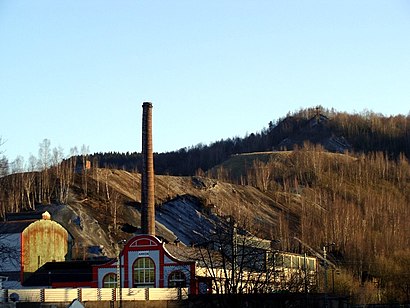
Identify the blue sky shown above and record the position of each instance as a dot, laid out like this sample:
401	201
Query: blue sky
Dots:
77	72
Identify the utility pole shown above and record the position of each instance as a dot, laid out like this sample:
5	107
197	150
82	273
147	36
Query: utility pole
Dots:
119	277
325	266
234	253
119	269
326	263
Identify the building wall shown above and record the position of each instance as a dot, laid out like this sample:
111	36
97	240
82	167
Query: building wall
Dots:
169	269
43	241
102	271
150	247
11	263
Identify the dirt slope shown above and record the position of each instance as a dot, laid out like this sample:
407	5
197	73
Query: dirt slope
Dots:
187	208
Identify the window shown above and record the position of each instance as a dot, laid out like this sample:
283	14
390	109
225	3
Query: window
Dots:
311	264
303	263
110	281
295	262
278	260
176	280
144	273
287	261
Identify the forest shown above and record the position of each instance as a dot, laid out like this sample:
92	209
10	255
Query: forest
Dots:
356	201
358	204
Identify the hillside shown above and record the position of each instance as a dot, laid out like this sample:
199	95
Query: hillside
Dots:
359	203
329	188
187	208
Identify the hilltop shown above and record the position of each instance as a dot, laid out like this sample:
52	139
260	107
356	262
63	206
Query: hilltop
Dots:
335	132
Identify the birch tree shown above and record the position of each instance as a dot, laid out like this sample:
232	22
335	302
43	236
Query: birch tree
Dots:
84	155
3	161
44	162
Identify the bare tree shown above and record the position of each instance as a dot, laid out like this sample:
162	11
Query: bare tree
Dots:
84	154
3	172
3	161
17	165
60	183
9	253
44	162
115	203
44	154
238	262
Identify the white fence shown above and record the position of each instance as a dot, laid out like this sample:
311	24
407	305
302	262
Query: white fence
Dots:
94	294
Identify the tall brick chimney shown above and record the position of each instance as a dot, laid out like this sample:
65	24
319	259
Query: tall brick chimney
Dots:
147	179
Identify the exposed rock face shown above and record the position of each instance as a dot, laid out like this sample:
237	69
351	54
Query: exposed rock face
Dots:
316	131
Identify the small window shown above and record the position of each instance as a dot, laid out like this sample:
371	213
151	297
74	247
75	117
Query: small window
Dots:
287	260
311	264
295	262
303	263
110	281
278	260
177	279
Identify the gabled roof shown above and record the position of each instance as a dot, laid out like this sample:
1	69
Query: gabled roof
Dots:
32	215
182	253
203	256
10	227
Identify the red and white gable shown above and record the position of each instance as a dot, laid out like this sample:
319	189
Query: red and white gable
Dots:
144	262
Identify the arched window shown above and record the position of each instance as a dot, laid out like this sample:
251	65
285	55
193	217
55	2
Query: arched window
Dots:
176	279
110	281
144	273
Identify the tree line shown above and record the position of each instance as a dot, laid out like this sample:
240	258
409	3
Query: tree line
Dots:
366	132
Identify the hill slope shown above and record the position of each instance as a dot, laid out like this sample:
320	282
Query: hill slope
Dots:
359	203
187	208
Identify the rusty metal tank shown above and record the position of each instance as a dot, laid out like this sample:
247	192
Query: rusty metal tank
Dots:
43	241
